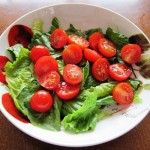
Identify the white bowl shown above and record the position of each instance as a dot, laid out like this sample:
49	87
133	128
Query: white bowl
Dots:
83	17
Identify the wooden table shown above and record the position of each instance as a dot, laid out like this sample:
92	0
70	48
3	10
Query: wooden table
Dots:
138	11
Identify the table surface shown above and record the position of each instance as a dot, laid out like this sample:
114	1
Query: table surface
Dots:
138	11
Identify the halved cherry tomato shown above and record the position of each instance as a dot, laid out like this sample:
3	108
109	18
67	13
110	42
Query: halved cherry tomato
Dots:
39	51
49	80
20	34
94	40
131	53
80	41
72	74
45	64
2	77
67	91
58	38
119	72
3	61
91	55
100	69
72	54
106	48
123	93
41	101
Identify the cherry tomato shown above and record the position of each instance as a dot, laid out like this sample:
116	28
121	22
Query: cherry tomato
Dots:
49	80
100	69
123	93
67	91
80	41
3	61
45	64
131	53
58	38
2	77
119	72
41	101
106	48
72	74
20	34
39	51
72	54
91	55
94	40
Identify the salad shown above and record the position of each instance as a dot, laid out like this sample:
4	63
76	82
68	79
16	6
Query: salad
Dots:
65	78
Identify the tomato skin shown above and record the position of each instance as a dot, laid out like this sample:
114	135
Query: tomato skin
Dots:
131	53
106	48
2	77
72	54
72	74
80	41
58	38
67	91
94	40
3	61
91	55
49	80
100	69
39	51
45	64
41	101
119	72
123	93
20	34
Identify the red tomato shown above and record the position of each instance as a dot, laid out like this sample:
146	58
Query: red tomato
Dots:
39	51
20	34
119	72
100	69
72	54
2	77
91	55
58	38
41	101
123	93
80	41
94	40
72	74
49	80
67	91
3	61
45	64
131	53
106	48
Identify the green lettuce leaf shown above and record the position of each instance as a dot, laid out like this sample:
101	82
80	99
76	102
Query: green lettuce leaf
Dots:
22	85
55	24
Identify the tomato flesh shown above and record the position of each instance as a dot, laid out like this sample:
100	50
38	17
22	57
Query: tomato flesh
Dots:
3	61
91	55
67	91
119	72
72	74
80	41
58	38
49	80
94	40
72	54
2	77
39	51
100	69
123	93
45	64
41	101
20	34
106	48
131	53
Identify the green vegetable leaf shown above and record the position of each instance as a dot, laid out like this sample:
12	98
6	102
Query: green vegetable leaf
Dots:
37	26
84	118
55	24
117	38
146	86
